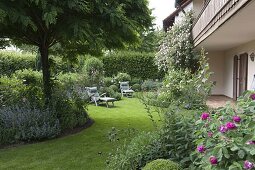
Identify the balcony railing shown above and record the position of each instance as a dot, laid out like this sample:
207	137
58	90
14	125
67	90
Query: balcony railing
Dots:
214	13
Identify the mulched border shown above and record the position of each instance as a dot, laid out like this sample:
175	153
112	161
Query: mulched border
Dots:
66	133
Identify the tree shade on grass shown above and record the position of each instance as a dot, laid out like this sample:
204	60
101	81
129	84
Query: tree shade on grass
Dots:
80	151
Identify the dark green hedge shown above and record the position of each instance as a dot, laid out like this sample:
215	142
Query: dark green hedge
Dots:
140	65
11	61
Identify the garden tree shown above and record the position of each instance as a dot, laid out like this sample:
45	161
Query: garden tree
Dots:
78	26
149	41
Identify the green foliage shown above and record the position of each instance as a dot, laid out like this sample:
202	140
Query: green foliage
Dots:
139	65
29	77
177	48
149	42
135	80
186	88
150	85
121	77
114	88
24	122
136	87
177	134
93	68
231	145
110	92
11	62
108	81
172	140
141	150
162	164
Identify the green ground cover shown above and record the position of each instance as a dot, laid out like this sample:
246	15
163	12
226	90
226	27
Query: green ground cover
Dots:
81	150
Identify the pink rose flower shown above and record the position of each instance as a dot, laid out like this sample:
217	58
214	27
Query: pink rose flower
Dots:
230	125
223	129
252	96
248	165
237	119
213	160
201	149
205	116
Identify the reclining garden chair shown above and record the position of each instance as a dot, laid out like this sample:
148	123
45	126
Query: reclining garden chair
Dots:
96	98
125	89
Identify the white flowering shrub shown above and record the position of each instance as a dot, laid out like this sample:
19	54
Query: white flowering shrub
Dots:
176	48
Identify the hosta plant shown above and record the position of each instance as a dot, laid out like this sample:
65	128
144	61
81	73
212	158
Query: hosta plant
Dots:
225	139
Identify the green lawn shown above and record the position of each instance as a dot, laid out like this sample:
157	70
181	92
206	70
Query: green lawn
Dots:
80	151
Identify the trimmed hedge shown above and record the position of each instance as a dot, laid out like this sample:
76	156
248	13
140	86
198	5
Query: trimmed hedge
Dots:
11	62
140	65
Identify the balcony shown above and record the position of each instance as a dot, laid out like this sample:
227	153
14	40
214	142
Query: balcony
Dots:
213	15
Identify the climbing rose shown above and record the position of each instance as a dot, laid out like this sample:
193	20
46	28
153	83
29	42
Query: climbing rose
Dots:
248	165
209	134
253	96
223	129
213	160
230	125
201	149
204	116
236	119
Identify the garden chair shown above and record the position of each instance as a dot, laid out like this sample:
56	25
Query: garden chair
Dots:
125	89
96	98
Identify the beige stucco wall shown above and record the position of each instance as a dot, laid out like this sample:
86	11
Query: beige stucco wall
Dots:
221	63
217	65
245	48
197	6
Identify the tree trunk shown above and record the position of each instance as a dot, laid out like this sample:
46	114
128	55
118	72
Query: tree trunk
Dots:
44	51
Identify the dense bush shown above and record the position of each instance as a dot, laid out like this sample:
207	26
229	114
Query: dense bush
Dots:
172	140
150	85
93	67
136	87
162	164
141	150
11	62
110	92
135	81
29	77
25	123
107	81
121	77
140	65
114	88
226	138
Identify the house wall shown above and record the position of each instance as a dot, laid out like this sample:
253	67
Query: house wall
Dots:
245	48
222	63
197	6
217	66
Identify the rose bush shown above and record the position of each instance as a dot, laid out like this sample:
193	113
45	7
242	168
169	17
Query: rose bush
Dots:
225	138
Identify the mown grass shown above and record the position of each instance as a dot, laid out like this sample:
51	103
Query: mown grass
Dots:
86	150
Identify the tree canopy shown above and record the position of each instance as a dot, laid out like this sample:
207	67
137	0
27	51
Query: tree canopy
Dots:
78	26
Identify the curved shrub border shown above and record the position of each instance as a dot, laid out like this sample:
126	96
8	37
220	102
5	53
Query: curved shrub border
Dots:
68	132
